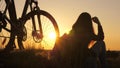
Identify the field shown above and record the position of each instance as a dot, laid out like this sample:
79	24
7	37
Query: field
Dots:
113	59
40	59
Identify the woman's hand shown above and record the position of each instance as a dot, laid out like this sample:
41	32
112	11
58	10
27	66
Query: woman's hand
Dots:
96	20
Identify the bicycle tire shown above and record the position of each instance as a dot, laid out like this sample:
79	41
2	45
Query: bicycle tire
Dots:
5	31
48	16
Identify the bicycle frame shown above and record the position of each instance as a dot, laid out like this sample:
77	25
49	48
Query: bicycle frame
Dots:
13	16
27	3
17	25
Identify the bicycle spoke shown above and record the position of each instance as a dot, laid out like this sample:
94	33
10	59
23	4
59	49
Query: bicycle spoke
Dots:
47	27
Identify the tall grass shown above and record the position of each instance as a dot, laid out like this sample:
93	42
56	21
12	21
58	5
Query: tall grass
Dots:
24	59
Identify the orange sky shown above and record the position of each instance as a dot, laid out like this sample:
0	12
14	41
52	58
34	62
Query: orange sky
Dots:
66	12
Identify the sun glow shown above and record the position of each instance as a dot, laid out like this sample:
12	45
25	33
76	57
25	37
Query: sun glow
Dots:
52	36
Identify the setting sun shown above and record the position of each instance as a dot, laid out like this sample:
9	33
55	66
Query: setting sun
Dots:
52	35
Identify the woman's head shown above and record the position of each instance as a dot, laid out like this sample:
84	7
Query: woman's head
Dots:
83	23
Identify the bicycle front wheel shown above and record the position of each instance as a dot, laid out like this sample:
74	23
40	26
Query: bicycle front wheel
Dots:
49	28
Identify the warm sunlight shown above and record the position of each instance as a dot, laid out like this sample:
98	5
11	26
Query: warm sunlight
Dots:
52	36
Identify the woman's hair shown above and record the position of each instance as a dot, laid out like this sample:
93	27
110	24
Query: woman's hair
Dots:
83	24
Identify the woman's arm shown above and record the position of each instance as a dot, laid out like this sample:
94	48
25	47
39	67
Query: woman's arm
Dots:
100	35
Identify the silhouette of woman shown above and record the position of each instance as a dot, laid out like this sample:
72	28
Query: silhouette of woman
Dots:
83	33
72	48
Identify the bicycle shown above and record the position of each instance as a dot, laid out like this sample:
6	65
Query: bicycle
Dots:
12	28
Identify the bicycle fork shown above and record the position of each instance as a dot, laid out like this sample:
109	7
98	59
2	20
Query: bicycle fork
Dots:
37	33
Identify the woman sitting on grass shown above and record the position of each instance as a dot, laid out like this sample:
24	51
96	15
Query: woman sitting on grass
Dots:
72	49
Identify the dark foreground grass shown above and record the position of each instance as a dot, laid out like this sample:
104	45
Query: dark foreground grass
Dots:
113	59
24	59
39	59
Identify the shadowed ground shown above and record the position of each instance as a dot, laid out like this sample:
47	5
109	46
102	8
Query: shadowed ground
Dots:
40	59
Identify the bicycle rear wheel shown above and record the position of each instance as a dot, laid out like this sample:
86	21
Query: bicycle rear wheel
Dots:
4	31
49	28
4	37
